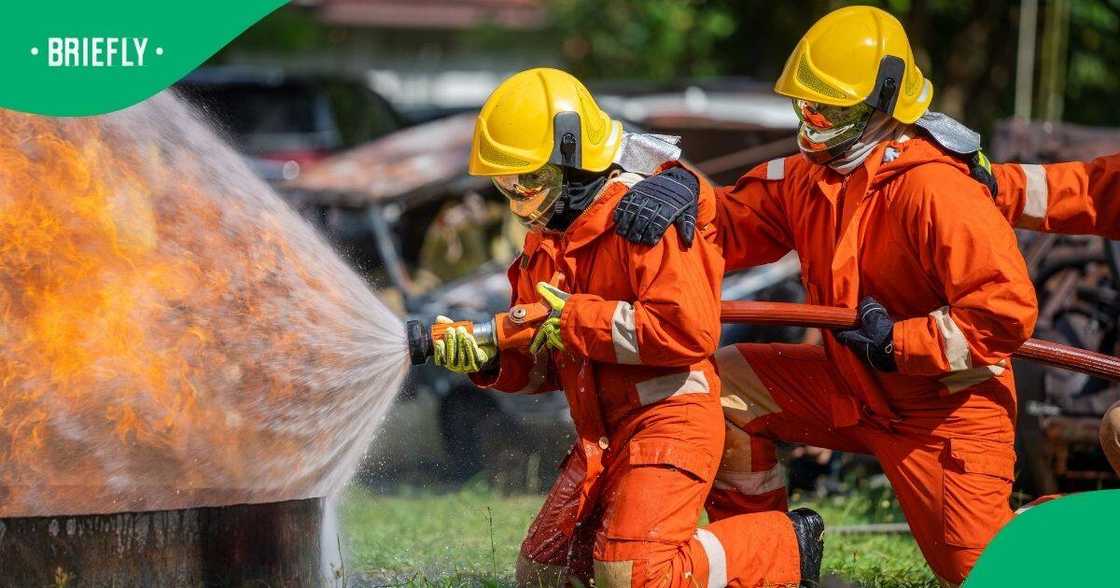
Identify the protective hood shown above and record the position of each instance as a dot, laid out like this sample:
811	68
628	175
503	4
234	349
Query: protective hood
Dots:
644	153
880	128
949	133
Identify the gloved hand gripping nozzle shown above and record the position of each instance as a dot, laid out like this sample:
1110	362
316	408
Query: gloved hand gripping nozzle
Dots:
507	330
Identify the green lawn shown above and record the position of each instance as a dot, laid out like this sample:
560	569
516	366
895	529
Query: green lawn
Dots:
471	537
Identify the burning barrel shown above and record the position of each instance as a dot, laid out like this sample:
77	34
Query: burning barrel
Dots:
277	544
186	367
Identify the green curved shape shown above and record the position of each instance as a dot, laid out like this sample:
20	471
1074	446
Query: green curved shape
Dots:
1070	541
157	43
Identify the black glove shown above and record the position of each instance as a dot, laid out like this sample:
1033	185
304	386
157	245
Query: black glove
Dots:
646	210
980	168
874	339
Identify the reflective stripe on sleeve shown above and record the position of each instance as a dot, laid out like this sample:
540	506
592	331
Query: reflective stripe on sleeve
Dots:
776	169
967	378
957	354
624	334
1038	195
717	558
660	388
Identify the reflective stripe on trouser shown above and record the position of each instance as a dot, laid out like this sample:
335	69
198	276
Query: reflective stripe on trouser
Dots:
749	479
748	550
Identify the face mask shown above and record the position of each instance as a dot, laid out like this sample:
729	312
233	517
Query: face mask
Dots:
826	131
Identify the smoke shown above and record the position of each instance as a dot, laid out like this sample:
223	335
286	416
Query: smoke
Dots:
172	334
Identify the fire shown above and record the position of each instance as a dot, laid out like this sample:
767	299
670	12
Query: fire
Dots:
171	334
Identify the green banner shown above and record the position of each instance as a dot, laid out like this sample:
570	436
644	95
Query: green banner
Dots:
1065	542
76	58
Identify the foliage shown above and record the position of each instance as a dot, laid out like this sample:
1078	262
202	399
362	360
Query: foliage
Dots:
968	48
648	39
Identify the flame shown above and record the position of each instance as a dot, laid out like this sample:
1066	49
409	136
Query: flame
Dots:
171	334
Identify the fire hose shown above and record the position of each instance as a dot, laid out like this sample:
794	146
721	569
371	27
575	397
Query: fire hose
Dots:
788	314
514	330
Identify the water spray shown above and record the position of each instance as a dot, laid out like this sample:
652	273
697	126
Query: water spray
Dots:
506	330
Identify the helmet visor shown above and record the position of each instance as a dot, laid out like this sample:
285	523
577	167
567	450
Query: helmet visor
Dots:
532	195
826	131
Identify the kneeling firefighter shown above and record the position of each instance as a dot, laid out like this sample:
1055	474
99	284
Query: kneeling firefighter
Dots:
629	336
882	206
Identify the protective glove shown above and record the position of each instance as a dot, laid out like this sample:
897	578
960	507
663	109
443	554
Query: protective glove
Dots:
645	212
548	334
980	168
874	339
458	351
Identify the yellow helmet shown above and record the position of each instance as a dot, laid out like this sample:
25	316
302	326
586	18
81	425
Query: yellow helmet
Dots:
857	54
542	116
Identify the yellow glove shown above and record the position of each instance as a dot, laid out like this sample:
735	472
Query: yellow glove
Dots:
549	331
458	351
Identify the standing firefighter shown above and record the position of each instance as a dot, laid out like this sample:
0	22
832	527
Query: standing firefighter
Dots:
882	210
630	342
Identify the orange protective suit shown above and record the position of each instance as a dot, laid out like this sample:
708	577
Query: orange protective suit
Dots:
912	229
1074	198
639	330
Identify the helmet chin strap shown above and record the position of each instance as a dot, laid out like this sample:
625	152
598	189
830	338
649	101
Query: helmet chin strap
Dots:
580	188
881	127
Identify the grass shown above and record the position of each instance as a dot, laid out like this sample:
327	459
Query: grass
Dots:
870	561
418	538
471	537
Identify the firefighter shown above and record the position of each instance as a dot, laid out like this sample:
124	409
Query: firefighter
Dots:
881	206
630	342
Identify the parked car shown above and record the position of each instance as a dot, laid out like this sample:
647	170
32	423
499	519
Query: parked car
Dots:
285	122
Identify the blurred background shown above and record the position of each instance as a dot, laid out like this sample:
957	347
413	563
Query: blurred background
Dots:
361	111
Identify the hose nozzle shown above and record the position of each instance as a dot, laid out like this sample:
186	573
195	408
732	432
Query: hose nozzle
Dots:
422	339
420	344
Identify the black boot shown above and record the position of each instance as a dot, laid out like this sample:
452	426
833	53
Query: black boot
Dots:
808	527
